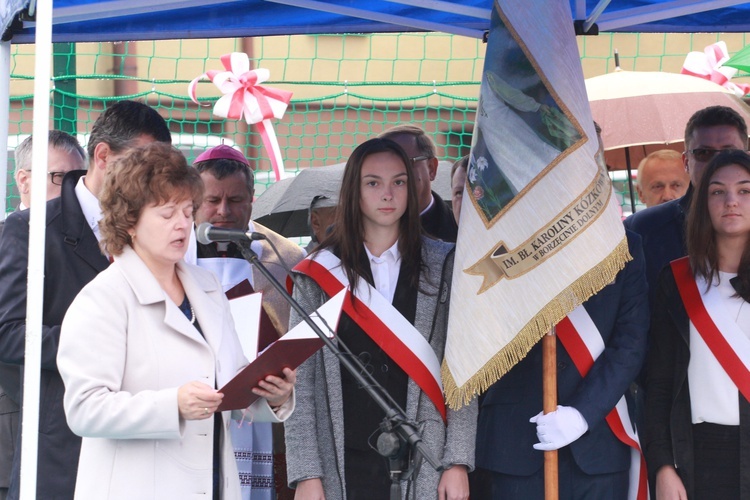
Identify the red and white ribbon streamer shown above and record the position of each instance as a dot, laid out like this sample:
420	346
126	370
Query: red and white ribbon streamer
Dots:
244	96
581	339
383	323
709	66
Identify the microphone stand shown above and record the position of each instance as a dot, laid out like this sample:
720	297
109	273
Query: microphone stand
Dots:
395	422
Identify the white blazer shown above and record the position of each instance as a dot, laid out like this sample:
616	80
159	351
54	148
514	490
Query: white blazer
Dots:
125	349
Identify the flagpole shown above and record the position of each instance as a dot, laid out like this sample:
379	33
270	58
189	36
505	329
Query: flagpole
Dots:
549	404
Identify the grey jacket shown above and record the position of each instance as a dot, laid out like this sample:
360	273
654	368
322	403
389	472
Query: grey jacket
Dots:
315	432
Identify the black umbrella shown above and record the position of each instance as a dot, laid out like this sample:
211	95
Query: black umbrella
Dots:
283	207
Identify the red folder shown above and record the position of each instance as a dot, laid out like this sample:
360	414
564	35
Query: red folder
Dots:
289	351
281	354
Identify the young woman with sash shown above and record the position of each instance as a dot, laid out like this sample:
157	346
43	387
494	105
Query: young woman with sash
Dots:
697	412
395	323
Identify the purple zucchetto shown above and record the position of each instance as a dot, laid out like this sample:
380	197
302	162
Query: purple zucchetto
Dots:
222	152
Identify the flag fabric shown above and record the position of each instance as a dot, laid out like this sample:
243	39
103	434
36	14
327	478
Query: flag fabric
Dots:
540	229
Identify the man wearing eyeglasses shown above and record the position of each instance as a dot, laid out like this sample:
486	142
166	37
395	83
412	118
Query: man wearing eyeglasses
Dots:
436	215
662	227
65	154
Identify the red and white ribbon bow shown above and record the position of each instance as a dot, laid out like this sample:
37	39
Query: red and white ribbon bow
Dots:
244	96
709	66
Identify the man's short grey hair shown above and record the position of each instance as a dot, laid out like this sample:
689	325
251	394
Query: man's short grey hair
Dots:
57	140
662	154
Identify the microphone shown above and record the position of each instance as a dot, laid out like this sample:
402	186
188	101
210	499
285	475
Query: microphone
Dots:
206	233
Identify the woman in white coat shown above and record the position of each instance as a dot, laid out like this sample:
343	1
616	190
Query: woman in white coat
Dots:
144	347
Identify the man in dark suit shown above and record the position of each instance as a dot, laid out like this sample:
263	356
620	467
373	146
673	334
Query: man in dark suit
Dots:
662	227
9	423
64	155
435	213
72	259
593	463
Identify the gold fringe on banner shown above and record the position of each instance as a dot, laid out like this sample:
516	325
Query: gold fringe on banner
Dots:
577	293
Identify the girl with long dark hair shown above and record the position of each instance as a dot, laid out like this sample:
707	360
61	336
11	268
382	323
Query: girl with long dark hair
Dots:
395	324
697	410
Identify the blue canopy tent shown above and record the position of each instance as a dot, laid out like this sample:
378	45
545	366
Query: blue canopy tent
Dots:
119	20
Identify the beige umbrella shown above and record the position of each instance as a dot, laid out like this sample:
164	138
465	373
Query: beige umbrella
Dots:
647	110
643	111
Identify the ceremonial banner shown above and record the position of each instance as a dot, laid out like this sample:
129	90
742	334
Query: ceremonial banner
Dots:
540	230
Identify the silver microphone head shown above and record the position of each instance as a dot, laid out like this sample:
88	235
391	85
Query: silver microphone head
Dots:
201	233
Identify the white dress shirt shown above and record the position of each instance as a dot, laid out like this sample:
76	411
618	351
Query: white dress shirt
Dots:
385	269
90	207
713	396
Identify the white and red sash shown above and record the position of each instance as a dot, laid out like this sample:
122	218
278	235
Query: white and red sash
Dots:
383	323
722	335
582	340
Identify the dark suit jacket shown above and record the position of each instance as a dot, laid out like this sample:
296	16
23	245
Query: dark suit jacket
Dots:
668	436
10	384
438	221
505	436
72	259
9	422
662	229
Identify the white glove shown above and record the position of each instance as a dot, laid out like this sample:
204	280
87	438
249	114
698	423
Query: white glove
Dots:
558	428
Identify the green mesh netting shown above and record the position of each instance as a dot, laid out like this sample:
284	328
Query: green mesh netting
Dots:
347	88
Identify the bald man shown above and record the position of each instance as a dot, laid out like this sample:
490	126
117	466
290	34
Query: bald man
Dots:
662	177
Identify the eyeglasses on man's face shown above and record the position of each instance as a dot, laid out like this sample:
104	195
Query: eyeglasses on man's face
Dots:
419	158
705	154
56	177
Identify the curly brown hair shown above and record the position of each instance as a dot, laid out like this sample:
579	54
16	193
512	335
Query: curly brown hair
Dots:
153	174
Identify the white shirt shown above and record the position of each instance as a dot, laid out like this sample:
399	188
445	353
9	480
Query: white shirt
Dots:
385	269
229	271
713	396
432	202
90	207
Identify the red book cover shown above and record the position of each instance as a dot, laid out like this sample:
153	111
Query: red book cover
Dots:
281	354
290	351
